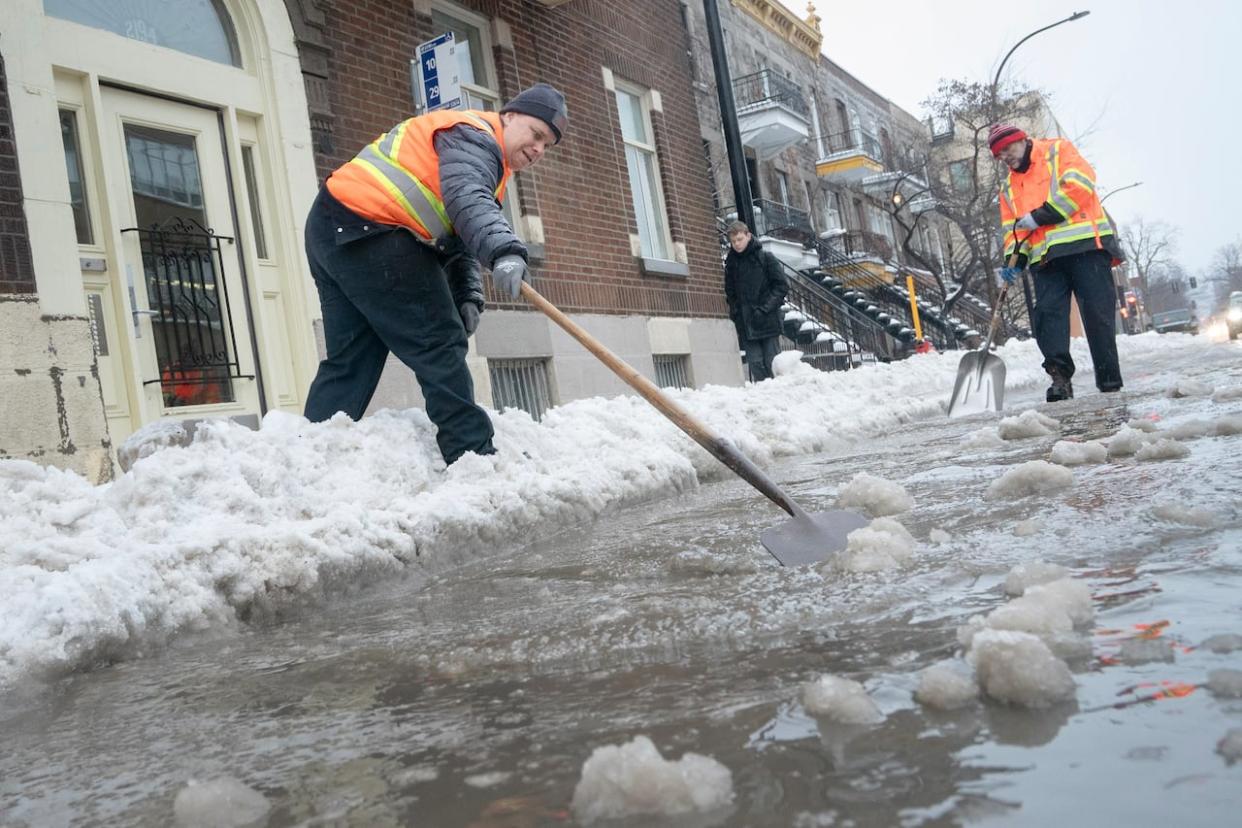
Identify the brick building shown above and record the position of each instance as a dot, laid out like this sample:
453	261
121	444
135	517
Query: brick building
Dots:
162	158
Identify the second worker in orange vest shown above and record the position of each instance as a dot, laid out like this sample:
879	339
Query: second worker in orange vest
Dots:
395	240
1051	215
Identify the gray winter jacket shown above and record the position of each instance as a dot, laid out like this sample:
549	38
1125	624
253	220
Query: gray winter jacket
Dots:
470	169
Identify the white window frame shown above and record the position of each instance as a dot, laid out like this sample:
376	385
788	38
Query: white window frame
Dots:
525	228
647	100
488	94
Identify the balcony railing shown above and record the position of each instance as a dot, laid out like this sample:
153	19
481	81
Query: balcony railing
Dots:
767	87
775	219
855	139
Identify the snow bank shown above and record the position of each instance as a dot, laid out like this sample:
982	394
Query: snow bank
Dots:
1067	453
631	779
1019	668
840	699
1227	394
1029	423
1031	478
1162	449
218	803
881	545
789	362
1026	575
1065	595
241	523
878	496
939	536
1190	388
947	685
1140	424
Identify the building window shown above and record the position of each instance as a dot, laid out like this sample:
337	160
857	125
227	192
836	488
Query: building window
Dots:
77	179
479	87
197	27
520	383
252	192
672	370
843	125
782	186
643	165
960	178
474	49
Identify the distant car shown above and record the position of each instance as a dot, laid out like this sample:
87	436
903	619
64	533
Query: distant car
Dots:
1233	314
1182	320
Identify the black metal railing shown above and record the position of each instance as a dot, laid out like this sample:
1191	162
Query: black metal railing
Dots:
188	299
855	138
766	86
864	338
773	218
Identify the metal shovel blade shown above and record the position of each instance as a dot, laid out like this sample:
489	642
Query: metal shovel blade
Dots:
811	537
980	385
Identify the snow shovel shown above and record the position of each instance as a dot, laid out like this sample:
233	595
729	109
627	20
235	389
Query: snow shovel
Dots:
809	537
980	382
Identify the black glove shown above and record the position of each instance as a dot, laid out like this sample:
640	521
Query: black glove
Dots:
469	316
508	273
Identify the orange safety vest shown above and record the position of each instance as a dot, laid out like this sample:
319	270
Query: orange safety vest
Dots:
396	178
1063	179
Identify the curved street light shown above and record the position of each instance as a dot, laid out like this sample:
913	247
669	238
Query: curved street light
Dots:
996	80
1112	193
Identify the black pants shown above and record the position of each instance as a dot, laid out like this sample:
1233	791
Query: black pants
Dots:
1088	276
759	356
382	290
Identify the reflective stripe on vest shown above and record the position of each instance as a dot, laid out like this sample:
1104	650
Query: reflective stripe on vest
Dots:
418	202
1091	221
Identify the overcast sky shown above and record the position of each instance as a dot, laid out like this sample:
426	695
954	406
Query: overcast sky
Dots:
1159	77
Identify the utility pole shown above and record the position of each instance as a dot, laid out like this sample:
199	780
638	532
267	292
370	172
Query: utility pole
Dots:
728	118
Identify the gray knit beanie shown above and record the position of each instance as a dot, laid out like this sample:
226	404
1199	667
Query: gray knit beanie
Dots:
543	102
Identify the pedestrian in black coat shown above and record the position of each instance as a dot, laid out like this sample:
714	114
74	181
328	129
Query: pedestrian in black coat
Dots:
755	287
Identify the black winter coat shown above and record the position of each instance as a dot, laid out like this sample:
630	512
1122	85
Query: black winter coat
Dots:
470	169
755	287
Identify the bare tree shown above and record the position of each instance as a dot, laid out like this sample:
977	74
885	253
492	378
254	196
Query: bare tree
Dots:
1226	270
1147	244
963	181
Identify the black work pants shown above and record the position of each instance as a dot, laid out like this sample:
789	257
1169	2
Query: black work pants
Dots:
1088	277
759	356
382	290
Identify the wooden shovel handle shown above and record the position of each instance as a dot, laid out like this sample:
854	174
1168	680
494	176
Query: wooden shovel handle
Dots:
721	449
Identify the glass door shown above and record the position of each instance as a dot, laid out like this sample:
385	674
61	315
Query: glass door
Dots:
181	263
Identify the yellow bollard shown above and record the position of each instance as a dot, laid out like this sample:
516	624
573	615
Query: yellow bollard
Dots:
914	307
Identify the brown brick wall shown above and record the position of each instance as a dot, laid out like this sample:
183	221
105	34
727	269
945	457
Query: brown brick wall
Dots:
16	267
580	190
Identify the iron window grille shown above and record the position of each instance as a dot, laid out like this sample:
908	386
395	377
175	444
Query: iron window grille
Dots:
521	383
672	370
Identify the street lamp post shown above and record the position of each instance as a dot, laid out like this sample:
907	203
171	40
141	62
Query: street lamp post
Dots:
993	116
728	118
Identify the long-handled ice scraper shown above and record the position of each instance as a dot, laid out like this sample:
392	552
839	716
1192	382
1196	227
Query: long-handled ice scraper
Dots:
808	537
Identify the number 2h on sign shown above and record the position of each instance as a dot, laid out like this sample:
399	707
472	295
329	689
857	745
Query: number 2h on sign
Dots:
438	76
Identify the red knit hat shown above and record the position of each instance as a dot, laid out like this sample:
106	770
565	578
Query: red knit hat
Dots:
1002	135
